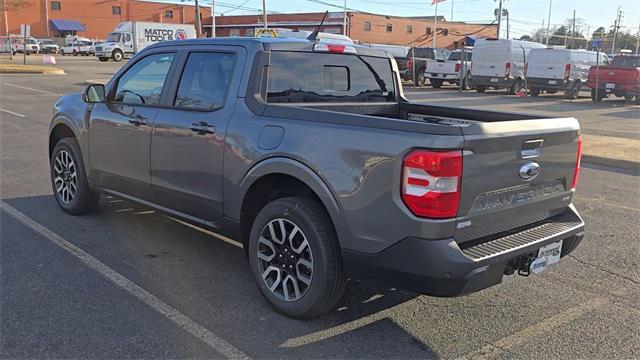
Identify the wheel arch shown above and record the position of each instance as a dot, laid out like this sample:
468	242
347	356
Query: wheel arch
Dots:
61	128
283	177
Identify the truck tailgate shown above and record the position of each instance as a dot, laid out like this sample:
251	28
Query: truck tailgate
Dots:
496	197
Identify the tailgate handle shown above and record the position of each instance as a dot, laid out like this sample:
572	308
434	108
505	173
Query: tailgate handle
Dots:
531	149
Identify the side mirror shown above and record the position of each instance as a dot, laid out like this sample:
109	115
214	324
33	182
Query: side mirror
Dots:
94	93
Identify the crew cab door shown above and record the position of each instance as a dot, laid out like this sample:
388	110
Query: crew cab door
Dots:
188	138
120	128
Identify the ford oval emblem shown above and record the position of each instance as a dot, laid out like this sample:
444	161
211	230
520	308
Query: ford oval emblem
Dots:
530	171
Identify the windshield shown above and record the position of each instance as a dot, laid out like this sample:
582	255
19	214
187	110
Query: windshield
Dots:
47	42
338	78
114	37
626	61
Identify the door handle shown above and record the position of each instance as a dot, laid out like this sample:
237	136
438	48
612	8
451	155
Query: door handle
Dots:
137	120
203	128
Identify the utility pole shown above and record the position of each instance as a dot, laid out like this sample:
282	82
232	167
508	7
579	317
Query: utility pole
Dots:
507	13
638	39
451	19
541	40
549	23
198	23
573	31
616	27
264	13
499	17
344	19
435	28
213	18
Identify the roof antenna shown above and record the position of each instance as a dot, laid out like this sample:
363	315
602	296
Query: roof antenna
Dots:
314	35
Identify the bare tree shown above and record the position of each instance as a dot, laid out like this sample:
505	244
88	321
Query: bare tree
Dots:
10	5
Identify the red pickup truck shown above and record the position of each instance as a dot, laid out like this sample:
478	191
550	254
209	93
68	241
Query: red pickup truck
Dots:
620	78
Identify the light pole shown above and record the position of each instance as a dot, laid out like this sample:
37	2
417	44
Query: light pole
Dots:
344	19
264	13
213	18
549	22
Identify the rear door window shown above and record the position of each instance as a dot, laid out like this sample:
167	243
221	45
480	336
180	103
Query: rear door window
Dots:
296	77
205	81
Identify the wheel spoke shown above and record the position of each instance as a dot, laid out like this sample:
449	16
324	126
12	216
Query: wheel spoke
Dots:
294	284
266	274
261	255
301	275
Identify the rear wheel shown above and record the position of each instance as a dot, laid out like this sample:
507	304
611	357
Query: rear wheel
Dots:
295	258
481	88
69	181
573	91
516	88
596	97
534	92
436	83
75	53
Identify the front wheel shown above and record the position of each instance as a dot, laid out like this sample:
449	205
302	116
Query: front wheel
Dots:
596	98
69	180
534	92
117	55
516	88
481	88
295	258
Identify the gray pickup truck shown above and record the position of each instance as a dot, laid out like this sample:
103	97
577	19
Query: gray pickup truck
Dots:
308	153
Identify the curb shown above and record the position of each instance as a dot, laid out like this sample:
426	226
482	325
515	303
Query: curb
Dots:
35	72
611	162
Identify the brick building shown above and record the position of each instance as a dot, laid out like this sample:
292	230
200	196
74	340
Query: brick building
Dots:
92	18
363	27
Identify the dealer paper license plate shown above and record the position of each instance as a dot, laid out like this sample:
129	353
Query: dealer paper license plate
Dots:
547	255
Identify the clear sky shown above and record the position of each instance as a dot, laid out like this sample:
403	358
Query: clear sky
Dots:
526	15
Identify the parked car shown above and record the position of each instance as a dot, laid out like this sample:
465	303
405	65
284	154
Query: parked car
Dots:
77	48
620	78
450	70
560	69
499	64
130	37
48	46
20	46
321	167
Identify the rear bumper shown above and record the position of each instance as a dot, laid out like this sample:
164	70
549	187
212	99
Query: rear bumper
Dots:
618	87
443	268
491	81
548	84
442	76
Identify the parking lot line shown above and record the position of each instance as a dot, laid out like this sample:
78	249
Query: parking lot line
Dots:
528	333
31	89
186	323
12	113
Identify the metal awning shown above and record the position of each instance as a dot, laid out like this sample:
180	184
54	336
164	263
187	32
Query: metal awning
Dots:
66	25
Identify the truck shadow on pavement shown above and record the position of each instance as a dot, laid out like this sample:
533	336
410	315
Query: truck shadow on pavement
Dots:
209	281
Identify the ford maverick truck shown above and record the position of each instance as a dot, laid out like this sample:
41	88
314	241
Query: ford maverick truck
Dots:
309	154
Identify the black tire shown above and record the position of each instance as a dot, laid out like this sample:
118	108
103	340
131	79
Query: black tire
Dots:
103	59
436	83
327	281
593	96
75	53
481	88
117	55
573	91
628	97
84	200
516	87
534	92
62	52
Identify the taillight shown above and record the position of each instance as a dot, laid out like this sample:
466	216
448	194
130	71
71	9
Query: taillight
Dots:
576	171
458	66
409	64
526	67
567	72
507	70
431	181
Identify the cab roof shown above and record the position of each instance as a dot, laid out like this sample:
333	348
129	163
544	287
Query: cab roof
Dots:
270	43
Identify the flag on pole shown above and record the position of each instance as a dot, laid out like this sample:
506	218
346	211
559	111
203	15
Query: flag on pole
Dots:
433	2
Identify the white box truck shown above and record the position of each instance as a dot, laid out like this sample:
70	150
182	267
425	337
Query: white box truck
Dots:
132	36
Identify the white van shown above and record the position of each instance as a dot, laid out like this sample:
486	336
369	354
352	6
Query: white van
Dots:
559	69
499	63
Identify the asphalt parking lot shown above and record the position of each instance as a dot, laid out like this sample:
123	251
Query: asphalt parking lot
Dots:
127	282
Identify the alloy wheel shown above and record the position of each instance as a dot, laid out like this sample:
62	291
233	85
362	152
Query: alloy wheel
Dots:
65	177
285	260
